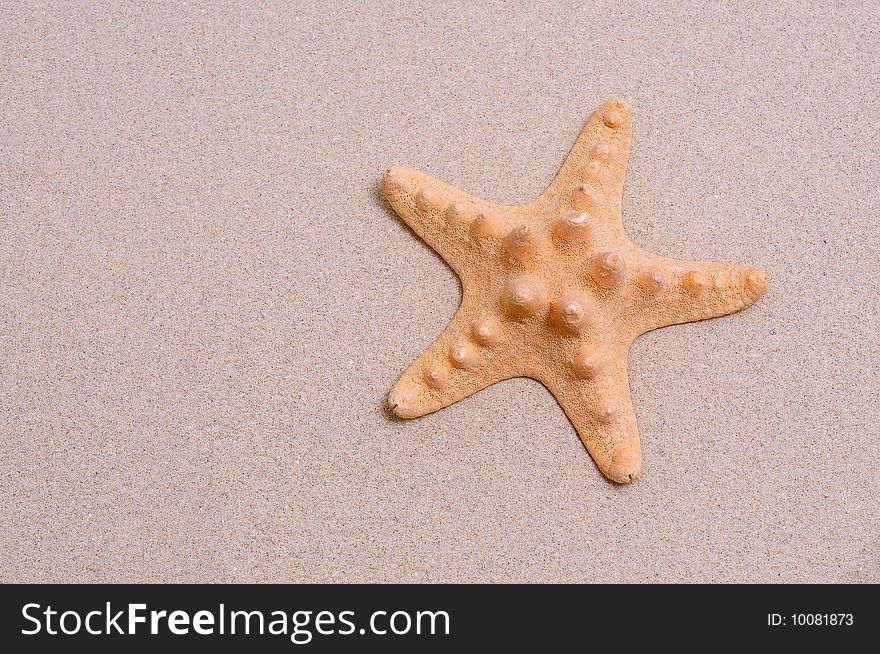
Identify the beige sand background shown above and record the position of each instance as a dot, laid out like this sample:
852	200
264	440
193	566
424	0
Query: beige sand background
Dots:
204	301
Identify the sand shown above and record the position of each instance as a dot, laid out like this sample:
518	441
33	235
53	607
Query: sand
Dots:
203	299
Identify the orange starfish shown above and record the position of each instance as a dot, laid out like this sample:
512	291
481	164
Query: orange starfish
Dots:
555	290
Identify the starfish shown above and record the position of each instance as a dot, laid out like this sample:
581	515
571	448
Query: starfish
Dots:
556	291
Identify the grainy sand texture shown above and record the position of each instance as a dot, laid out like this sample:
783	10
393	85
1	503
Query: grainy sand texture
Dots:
204	299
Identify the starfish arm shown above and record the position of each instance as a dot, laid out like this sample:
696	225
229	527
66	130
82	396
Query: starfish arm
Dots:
457	225
591	178
602	413
674	292
452	368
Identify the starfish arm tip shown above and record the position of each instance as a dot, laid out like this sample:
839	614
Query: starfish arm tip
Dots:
624	472
622	462
395	175
616	112
405	403
424	389
451	221
751	287
397	185
459	363
757	282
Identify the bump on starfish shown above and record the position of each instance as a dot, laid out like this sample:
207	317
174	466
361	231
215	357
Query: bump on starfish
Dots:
555	290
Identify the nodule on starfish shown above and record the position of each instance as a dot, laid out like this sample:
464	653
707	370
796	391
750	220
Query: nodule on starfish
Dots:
555	290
